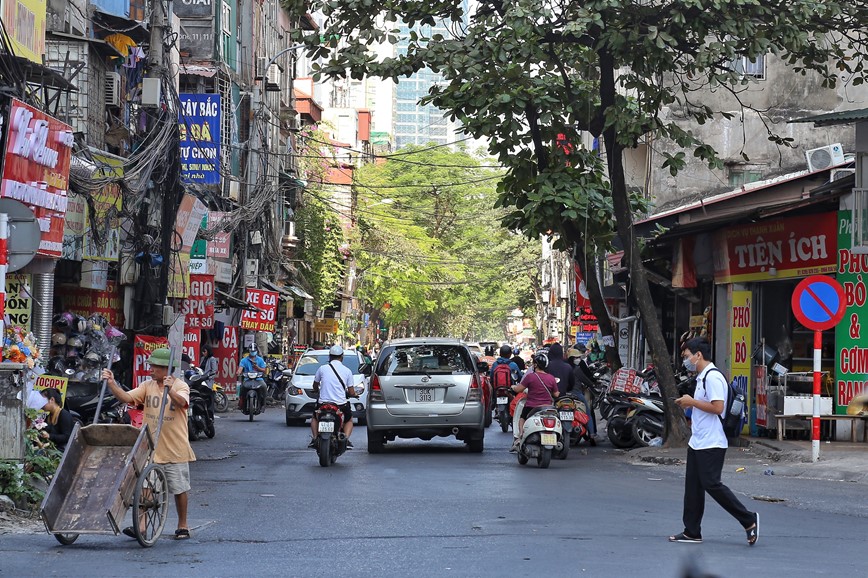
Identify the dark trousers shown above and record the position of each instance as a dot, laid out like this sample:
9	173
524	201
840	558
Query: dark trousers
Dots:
703	475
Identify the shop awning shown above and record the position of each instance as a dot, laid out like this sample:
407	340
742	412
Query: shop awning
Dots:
284	294
234	302
836	118
199	70
300	292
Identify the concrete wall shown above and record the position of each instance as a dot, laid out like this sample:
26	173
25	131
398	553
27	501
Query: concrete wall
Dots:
785	95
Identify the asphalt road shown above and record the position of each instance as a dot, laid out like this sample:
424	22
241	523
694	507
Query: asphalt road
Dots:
262	506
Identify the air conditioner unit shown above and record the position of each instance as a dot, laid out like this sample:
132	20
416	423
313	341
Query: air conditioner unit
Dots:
274	77
824	157
261	61
112	89
836	174
295	123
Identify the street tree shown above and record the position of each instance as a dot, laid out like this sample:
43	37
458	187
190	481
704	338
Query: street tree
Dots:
430	246
523	73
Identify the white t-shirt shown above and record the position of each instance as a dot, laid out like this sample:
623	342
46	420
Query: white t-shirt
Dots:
330	388
707	428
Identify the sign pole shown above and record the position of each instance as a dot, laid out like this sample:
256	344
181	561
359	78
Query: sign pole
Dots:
815	429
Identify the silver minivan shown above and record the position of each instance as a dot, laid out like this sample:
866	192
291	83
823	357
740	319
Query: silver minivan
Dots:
423	388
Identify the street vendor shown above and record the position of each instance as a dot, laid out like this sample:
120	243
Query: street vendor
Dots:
173	451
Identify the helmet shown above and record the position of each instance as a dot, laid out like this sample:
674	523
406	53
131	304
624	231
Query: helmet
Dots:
573	352
79	324
58	339
516	350
56	365
541	360
93	357
252	350
336	350
62	320
505	350
75	341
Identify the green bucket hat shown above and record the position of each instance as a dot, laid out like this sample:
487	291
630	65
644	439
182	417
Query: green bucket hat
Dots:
160	357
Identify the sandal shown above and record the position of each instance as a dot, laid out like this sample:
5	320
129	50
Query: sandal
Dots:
129	531
182	534
753	532
684	538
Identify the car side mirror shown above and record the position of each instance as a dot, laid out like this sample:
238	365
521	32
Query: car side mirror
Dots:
482	366
366	369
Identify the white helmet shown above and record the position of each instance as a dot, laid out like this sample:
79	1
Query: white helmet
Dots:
336	350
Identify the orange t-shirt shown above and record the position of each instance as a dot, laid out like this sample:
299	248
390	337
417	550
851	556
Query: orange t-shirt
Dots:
173	447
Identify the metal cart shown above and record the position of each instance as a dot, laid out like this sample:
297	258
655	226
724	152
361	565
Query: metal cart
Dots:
105	470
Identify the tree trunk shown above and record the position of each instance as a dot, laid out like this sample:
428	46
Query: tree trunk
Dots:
598	304
676	435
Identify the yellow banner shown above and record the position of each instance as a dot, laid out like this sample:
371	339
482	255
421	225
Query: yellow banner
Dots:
179	276
326	325
54	382
24	20
741	325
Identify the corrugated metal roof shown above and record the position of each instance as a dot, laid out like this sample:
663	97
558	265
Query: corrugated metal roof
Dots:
834	118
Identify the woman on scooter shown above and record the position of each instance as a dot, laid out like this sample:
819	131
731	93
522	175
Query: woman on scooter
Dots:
542	389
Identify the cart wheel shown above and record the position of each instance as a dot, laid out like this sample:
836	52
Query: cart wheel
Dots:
66	539
151	501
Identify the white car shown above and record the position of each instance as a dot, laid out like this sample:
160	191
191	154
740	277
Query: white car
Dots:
300	399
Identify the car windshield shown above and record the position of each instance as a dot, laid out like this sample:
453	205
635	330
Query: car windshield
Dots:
474	349
309	363
427	360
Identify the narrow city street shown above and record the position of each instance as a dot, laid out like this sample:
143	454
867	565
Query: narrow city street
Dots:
261	505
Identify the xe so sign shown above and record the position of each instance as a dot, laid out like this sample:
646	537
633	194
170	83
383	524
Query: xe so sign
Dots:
199	305
265	315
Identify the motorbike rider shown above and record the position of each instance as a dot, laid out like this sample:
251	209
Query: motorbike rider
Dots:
518	359
542	389
505	351
253	362
333	383
581	383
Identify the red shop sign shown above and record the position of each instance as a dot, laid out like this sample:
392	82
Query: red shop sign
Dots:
226	352
199	304
263	319
192	341
86	302
783	248
36	170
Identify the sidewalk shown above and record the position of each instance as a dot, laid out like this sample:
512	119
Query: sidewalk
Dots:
842	461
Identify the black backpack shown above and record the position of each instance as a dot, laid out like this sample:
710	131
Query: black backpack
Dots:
734	416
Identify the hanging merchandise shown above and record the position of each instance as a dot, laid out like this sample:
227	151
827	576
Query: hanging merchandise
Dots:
81	346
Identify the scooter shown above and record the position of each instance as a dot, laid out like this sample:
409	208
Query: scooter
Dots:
645	419
542	437
574	419
614	407
331	441
221	402
277	381
200	412
253	390
503	396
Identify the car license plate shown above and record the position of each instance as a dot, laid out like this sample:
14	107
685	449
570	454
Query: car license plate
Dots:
327	426
566	416
502	400
548	439
425	394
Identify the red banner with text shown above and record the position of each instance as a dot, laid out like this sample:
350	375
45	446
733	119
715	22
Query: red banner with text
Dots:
199	305
226	352
265	315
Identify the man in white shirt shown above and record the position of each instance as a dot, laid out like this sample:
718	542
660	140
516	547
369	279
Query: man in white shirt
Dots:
707	448
332	381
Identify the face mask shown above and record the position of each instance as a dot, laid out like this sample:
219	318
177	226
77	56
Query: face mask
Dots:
689	365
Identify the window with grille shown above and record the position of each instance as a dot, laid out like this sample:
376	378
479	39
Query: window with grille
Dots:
739	177
754	68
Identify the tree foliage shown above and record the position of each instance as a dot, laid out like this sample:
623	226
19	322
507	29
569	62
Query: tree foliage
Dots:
430	250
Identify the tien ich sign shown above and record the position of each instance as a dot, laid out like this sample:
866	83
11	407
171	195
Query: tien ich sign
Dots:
783	248
265	315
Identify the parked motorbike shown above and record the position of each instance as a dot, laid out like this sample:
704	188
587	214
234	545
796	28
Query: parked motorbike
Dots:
645	419
614	406
200	412
253	391
82	399
276	381
331	441
574	420
221	402
542	437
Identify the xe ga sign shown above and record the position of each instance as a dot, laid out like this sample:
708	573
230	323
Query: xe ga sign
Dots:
265	315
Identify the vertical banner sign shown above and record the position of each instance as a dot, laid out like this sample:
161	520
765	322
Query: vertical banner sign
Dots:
851	344
263	319
199	305
19	303
762	395
25	22
741	344
192	339
74	227
36	169
199	123
226	352
142	348
102	241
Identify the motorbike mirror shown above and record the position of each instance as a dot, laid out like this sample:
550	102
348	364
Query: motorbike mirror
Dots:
359	389
482	366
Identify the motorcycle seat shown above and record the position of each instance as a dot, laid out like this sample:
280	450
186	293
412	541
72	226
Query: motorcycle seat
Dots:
541	408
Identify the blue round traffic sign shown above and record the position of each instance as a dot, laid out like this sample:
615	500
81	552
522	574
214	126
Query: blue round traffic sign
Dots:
819	302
